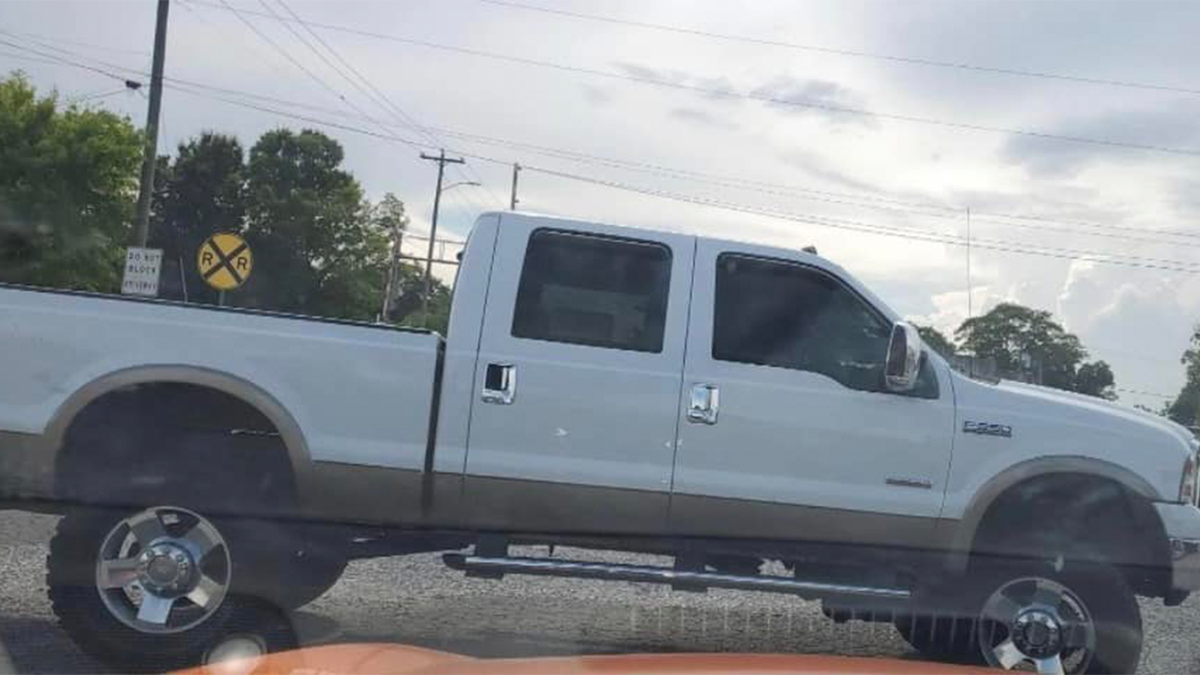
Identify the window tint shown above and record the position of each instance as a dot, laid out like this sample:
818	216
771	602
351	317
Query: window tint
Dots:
593	291
789	316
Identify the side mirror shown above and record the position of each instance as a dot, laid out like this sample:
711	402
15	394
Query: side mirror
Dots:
903	357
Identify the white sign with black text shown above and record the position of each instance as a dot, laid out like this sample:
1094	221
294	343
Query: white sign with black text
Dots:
142	266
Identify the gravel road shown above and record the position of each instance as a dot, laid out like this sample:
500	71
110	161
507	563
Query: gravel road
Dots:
416	600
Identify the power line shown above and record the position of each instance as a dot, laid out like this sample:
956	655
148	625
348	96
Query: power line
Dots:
76	100
1067	254
280	50
736	183
846	52
31	59
723	93
262	55
1145	393
864	201
372	92
858	226
76	43
94	69
726	181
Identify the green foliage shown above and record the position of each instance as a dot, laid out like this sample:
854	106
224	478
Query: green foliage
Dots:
389	214
408	285
1185	409
68	183
406	303
200	194
1095	379
937	341
1021	339
68	188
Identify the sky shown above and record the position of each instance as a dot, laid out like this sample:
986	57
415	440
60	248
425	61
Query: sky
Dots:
828	116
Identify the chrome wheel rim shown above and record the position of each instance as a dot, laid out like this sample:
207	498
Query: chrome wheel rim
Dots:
1037	625
163	570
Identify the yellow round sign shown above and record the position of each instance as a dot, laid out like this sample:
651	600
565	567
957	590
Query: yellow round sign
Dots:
225	261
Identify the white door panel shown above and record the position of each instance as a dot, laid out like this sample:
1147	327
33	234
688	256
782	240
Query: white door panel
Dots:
801	438
789	435
577	422
580	414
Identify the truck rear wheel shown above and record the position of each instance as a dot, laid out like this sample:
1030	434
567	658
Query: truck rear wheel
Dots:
146	591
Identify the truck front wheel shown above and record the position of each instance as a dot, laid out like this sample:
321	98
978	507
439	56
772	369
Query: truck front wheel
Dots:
1070	622
147	591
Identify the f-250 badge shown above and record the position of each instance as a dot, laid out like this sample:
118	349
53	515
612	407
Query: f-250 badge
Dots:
987	429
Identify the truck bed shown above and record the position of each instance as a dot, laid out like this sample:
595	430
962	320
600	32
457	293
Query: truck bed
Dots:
359	393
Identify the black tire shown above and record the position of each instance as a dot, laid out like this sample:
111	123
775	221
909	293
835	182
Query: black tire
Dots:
82	614
238	482
1106	595
280	562
266	627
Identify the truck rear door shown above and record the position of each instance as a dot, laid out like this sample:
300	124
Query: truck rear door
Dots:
580	362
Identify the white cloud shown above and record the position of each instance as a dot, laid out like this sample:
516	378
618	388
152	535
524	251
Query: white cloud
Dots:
1129	309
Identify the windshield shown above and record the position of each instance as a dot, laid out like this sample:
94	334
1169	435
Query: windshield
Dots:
673	413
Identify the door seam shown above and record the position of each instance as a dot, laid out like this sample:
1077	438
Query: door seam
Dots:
687	336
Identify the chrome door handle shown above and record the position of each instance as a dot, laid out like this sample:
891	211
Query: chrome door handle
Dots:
704	404
500	383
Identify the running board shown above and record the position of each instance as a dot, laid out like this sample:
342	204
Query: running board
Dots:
495	566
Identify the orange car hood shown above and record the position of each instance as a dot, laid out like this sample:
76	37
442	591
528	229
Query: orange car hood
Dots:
392	659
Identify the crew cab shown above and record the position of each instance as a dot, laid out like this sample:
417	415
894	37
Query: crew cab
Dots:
603	387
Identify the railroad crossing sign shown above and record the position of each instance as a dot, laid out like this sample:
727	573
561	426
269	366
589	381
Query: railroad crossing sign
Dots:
225	261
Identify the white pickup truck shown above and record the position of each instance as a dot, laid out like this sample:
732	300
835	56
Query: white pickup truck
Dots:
601	387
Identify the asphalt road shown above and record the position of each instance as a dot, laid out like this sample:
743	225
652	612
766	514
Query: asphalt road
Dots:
416	600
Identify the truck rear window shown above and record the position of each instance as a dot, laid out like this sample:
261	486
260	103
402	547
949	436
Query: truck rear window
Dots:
591	290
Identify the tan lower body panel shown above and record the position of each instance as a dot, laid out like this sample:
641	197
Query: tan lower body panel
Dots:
396	497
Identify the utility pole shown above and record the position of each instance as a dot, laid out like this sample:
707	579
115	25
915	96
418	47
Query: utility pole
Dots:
442	161
512	205
397	246
150	156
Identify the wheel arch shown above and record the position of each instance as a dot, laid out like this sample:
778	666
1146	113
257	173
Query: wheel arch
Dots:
252	395
1003	485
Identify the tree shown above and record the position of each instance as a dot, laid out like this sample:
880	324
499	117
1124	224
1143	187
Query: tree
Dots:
408	286
1095	379
316	250
937	341
68	180
1185	409
199	194
406	308
1024	340
389	217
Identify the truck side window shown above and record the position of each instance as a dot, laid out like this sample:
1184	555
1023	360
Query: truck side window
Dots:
786	315
593	290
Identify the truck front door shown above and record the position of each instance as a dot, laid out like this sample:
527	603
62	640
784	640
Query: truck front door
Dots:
788	431
580	362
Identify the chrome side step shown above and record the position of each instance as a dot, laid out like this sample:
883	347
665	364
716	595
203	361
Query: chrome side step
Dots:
499	565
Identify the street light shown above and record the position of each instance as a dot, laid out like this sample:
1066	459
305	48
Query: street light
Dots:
461	182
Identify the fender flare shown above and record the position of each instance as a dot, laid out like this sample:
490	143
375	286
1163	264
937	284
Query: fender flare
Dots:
964	535
249	393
